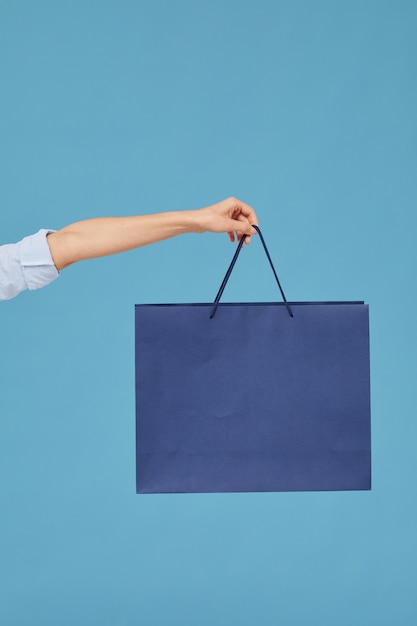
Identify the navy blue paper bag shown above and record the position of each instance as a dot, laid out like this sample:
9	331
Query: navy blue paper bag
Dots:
252	397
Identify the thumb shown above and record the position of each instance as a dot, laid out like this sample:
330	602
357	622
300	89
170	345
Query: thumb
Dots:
243	227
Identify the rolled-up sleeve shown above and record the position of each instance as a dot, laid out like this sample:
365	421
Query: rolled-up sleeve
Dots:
27	264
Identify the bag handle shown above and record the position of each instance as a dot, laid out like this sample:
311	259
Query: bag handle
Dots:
231	266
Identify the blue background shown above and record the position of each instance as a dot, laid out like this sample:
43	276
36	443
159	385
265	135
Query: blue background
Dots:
304	109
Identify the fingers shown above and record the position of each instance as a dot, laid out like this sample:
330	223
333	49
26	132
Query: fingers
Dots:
239	209
243	226
245	215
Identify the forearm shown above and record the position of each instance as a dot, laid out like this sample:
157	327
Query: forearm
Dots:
110	235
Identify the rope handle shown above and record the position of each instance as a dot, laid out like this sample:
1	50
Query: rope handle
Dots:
231	266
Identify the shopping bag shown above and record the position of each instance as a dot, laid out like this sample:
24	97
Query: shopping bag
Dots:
252	397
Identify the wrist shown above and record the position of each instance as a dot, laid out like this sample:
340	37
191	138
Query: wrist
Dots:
193	221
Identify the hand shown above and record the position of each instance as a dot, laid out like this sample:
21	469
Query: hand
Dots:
230	216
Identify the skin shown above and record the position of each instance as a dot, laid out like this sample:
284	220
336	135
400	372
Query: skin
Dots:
110	235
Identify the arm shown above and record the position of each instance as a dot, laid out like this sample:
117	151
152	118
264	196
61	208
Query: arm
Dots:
109	235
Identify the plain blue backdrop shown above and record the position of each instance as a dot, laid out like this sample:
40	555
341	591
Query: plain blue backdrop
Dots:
306	110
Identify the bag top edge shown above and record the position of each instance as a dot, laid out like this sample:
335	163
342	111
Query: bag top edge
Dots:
223	304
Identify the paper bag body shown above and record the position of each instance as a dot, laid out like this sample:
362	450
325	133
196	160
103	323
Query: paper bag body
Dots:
252	400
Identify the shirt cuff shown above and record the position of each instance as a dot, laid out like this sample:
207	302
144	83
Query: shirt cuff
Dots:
36	260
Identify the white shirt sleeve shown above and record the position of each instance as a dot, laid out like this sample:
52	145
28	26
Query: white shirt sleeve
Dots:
27	264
